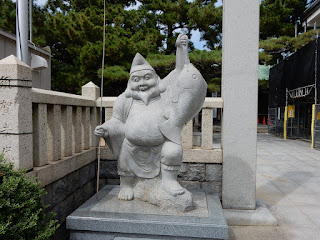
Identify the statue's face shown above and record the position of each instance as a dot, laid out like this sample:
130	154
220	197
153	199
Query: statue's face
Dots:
143	80
143	85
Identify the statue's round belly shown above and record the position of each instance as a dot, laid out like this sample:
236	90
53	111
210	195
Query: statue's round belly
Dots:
140	135
142	129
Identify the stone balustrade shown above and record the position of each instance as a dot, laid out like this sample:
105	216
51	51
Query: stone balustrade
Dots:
63	125
63	132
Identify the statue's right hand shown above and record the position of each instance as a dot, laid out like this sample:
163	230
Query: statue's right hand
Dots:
101	131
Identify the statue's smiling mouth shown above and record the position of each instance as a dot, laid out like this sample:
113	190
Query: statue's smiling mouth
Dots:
143	88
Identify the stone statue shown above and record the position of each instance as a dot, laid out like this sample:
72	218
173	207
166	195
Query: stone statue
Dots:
144	132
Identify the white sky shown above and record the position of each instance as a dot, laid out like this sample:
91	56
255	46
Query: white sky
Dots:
38	2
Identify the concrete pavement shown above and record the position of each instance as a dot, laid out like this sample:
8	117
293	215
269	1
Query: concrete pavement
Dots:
288	182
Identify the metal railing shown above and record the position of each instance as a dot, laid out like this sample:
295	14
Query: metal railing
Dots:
276	120
316	131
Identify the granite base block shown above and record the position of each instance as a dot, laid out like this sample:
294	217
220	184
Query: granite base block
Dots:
82	235
105	217
261	216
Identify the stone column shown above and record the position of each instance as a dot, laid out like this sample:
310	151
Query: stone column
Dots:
40	134
76	129
92	91
240	95
66	129
16	112
85	127
54	132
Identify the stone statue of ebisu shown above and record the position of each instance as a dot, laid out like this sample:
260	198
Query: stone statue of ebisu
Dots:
144	132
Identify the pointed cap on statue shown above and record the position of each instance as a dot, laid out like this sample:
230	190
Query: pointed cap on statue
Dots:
140	63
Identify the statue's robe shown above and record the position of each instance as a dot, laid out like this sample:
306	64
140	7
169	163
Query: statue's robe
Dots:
133	160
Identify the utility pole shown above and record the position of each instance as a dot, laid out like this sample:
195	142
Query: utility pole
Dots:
30	19
22	31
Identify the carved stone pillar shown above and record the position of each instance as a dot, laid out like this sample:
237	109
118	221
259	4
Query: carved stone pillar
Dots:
16	112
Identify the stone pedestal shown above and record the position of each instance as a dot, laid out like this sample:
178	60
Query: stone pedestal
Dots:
106	217
16	112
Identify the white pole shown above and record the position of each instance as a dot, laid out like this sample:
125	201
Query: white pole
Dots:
316	69
22	30
30	19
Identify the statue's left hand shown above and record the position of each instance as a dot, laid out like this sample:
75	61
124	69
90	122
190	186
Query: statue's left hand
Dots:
182	40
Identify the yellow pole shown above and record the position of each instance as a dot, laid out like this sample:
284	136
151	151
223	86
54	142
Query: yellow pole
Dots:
285	122
312	124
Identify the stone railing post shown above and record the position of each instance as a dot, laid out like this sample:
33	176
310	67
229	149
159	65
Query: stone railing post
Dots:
66	133
206	128
240	96
92	91
187	135
16	112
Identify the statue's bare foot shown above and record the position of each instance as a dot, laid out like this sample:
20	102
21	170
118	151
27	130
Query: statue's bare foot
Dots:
126	188
172	187
126	193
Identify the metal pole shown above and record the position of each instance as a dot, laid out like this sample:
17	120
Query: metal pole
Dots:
22	30
30	19
305	26
101	88
316	69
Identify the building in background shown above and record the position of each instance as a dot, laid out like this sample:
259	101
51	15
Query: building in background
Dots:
40	78
311	16
294	83
263	94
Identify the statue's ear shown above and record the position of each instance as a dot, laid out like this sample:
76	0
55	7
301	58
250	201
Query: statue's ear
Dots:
162	86
128	92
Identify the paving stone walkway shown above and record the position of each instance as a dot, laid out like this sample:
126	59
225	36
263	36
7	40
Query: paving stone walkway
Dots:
288	182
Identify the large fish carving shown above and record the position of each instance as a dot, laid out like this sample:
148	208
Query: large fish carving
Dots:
185	94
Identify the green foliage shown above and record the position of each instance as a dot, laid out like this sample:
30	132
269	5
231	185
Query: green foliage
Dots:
263	84
8	20
22	214
274	48
278	17
73	29
215	85
172	17
75	36
8	15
